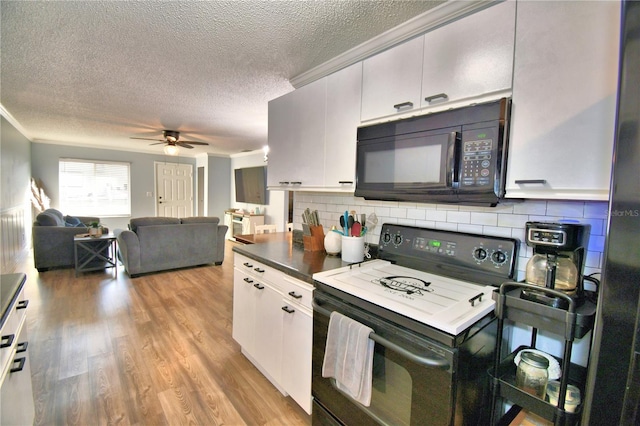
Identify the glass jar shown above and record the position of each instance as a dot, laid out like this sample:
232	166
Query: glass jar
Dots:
565	270
532	374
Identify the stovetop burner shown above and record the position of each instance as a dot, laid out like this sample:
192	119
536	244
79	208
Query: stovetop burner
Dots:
440	278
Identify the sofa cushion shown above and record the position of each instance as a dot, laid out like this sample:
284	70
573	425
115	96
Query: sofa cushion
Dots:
73	222
149	221
201	219
49	218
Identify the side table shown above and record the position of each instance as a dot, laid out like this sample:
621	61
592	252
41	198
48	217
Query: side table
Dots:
94	253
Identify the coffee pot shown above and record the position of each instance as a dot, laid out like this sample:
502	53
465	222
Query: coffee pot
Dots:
559	251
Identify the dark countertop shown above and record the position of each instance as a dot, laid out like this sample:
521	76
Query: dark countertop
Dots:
10	286
290	258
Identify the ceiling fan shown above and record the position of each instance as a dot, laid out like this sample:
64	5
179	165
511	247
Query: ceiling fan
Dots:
172	142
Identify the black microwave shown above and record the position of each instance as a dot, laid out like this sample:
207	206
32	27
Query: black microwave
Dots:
454	156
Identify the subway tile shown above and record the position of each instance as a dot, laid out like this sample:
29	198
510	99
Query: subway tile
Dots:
490	219
565	208
446	226
398	212
497	231
529	207
596	209
418	214
458	217
596	243
436	215
593	259
512	220
472	229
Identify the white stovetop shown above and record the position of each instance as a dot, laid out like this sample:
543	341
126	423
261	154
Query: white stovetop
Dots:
443	304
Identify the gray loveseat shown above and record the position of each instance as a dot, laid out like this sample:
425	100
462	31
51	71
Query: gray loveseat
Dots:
52	236
160	243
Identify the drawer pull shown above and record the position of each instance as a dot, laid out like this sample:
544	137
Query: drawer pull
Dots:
288	309
7	340
22	347
294	295
434	97
284	182
403	105
21	362
526	181
22	304
248	280
345	182
248	265
258	270
258	286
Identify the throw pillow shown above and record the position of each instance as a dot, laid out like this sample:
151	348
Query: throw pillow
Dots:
72	222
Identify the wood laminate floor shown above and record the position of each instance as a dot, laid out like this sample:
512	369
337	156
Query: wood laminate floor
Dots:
152	350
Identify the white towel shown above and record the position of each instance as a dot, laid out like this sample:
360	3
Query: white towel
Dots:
348	357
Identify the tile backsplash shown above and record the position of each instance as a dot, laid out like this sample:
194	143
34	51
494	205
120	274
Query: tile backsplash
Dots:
507	219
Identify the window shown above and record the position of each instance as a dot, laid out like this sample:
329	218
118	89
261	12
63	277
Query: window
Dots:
94	188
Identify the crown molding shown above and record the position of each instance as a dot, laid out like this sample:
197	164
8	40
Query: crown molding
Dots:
11	119
427	21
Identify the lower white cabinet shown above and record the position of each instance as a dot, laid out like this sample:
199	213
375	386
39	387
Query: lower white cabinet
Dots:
273	323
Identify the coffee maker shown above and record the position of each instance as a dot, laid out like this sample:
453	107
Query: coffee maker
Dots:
559	251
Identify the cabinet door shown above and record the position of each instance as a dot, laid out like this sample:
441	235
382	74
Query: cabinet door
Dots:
268	330
344	92
16	395
392	79
296	137
297	339
564	100
470	57
244	312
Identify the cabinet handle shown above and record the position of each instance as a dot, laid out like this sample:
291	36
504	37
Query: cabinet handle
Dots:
525	181
248	265
294	295
258	286
434	97
288	309
284	183
20	366
258	270
248	280
296	183
22	347
22	304
403	105
7	340
345	182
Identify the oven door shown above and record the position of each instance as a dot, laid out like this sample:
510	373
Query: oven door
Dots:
408	167
413	377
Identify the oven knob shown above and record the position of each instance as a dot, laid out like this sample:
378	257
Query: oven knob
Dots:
397	239
480	254
498	257
386	238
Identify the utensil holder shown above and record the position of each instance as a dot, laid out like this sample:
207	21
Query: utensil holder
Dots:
315	241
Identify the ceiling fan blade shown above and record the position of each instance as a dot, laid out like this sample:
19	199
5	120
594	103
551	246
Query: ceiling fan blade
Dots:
147	139
184	145
195	143
157	143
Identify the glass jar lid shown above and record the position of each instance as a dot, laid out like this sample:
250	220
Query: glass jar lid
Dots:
534	360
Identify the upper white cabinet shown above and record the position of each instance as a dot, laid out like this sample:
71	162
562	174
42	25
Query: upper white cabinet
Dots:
296	137
391	80
564	100
312	134
344	90
470	57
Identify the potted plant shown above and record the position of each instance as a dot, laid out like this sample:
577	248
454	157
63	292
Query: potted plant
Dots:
95	229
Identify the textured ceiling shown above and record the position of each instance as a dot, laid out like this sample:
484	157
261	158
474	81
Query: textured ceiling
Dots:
95	73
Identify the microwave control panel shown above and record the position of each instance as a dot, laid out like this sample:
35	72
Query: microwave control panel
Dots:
477	168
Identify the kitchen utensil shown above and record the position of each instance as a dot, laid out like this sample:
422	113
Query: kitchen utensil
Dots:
356	229
345	218
350	223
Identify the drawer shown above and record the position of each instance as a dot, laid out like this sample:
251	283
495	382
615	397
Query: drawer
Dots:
254	268
296	291
11	329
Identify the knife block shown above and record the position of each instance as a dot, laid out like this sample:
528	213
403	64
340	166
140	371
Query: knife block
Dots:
315	241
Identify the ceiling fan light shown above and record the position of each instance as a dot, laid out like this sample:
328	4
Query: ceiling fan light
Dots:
171	150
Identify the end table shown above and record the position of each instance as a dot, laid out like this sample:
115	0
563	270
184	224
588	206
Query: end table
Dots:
91	252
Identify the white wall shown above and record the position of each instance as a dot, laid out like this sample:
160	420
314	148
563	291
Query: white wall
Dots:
277	209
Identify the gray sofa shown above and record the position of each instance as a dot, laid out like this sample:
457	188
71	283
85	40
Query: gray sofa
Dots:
52	236
154	244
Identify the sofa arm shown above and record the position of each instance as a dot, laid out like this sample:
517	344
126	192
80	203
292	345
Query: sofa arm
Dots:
222	233
129	250
53	246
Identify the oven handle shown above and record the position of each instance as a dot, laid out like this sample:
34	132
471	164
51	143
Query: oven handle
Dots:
440	363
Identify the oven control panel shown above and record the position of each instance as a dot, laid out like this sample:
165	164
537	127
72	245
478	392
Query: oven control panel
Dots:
459	254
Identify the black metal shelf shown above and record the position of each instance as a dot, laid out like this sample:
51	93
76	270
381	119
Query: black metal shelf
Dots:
574	322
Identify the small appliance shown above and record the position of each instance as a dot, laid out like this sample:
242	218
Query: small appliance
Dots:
559	251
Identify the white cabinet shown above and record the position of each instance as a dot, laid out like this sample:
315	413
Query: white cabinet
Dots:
564	100
470	57
273	323
296	137
391	80
240	223
16	393
344	90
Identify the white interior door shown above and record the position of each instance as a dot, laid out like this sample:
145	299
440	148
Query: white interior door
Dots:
174	190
